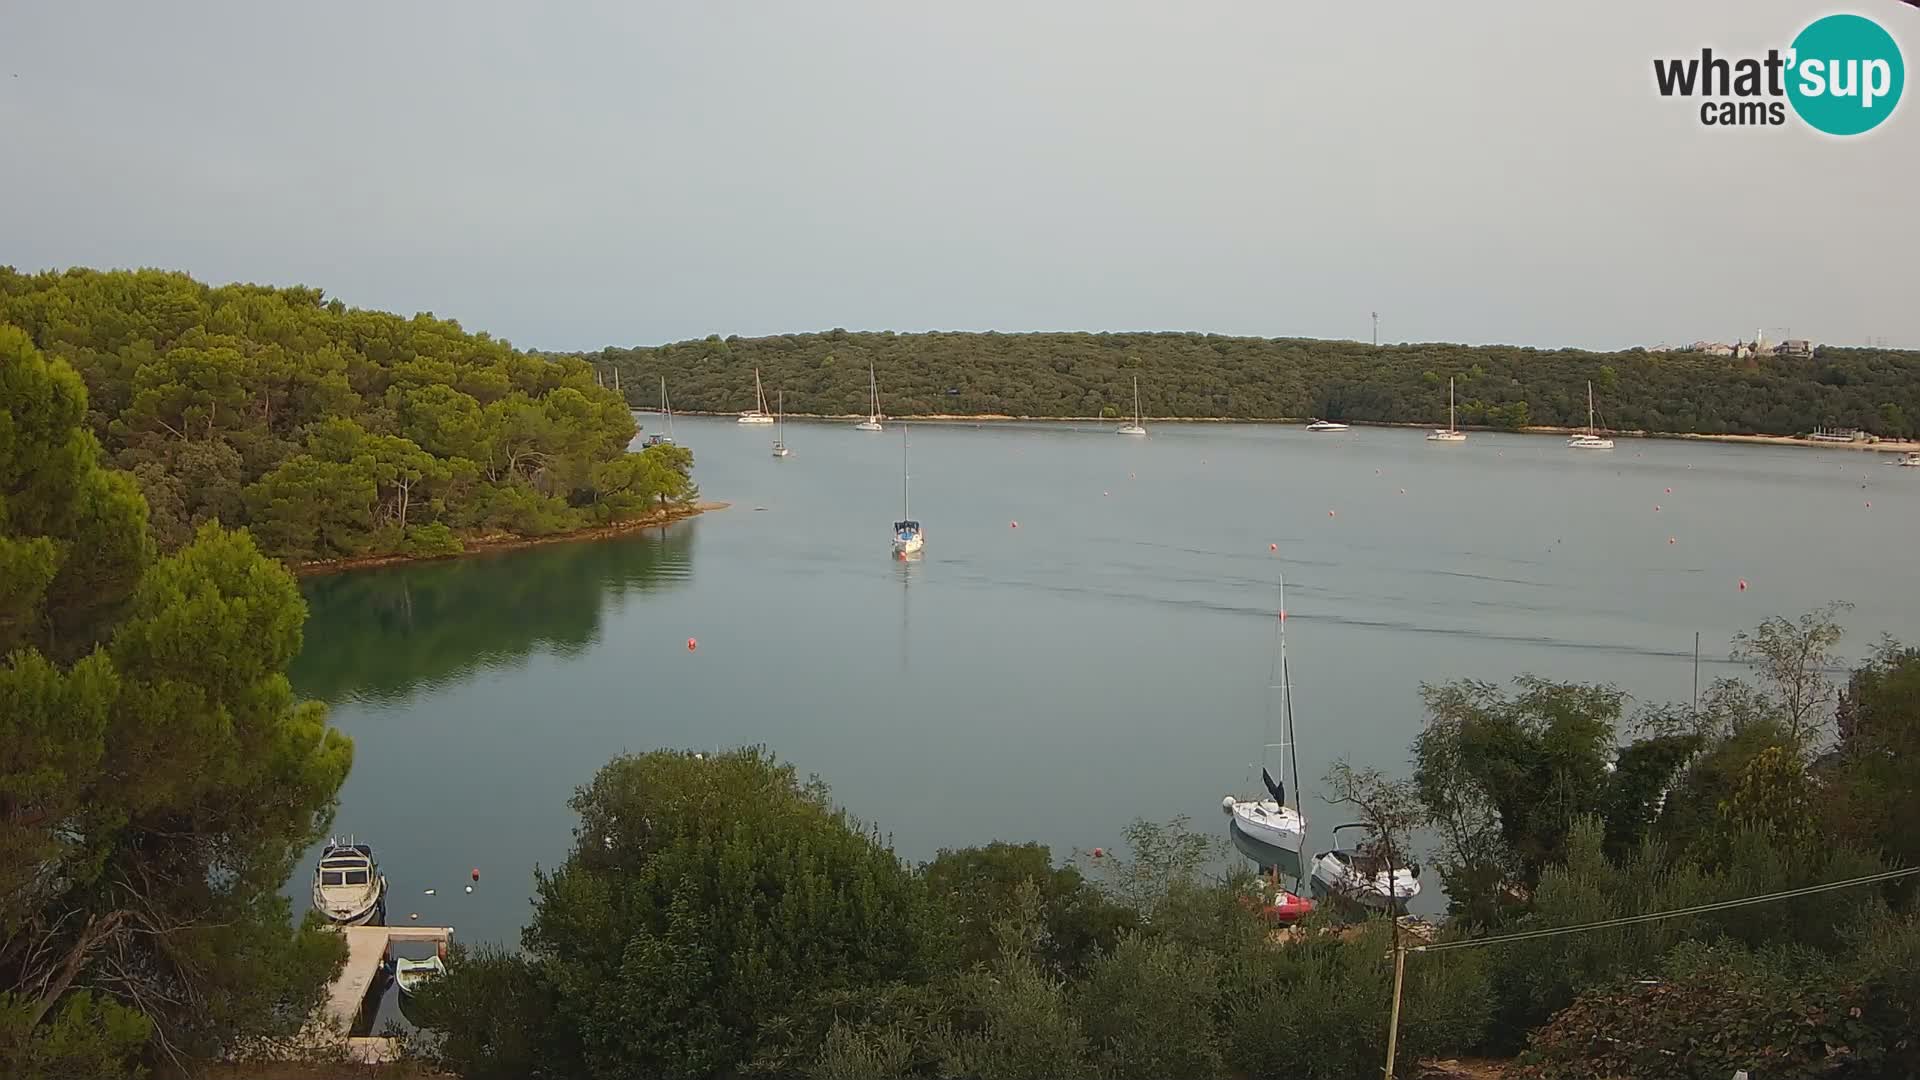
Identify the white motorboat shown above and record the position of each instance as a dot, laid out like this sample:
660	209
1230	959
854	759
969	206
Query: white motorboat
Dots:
1326	425
1267	818
1363	876
1590	439
1911	459
908	537
780	432
1450	433
758	414
348	888
872	422
1134	428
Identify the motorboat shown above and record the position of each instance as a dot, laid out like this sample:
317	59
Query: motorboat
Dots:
1910	459
1449	433
758	414
1326	425
348	888
410	975
1275	903
1363	876
1134	428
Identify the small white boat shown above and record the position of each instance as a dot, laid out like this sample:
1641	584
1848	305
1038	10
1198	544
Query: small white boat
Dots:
780	433
409	975
872	422
1450	433
348	888
758	414
1363	877
1134	428
908	536
657	439
1590	439
1326	425
1911	459
1267	818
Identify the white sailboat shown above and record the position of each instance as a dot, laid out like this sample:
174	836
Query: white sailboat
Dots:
758	414
657	439
780	432
1134	428
872	422
1590	439
908	536
1451	434
1267	818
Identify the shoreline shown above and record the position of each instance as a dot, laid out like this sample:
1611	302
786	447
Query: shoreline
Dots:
1884	446
498	542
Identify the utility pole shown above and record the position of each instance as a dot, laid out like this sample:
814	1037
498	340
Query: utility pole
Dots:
1696	680
1376	329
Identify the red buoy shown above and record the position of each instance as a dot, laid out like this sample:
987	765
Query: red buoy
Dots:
476	873
1273	547
1329	513
692	644
1097	853
1013	524
1669	491
1743	584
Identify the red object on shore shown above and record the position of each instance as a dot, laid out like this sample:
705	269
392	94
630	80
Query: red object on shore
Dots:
1284	909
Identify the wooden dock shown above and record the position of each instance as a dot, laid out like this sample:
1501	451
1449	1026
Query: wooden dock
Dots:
368	950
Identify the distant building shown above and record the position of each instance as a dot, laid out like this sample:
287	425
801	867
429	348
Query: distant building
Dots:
1713	348
1798	347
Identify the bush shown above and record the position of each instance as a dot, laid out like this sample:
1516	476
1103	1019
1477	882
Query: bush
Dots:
431	541
83	1038
1148	1007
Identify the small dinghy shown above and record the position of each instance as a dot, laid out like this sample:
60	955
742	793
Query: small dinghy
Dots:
348	888
410	975
1277	905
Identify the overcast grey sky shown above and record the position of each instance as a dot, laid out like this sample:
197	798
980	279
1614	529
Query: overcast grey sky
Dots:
573	175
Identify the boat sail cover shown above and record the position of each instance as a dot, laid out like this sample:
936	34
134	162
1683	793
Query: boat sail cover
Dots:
1274	787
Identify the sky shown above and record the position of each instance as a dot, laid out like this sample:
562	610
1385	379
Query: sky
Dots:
570	176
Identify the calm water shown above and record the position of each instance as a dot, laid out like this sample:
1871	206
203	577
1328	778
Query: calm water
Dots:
1107	659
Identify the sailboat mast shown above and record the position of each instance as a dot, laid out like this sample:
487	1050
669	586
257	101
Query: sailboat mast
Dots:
906	478
1286	708
1590	407
1449	403
1136	401
666	405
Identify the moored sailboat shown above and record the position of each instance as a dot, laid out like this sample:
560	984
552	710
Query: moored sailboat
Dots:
908	537
758	414
1134	428
872	422
1590	439
1451	433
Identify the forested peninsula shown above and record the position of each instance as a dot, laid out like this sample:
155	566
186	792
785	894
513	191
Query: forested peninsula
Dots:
1207	376
330	432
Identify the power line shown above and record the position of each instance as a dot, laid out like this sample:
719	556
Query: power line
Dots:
1699	909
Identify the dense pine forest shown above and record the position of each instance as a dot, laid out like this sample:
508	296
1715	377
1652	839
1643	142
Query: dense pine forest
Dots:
1205	375
331	431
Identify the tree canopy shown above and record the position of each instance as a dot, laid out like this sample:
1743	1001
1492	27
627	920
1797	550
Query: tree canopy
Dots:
1211	376
157	777
331	431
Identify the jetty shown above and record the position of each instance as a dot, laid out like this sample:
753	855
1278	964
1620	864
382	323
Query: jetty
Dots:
369	950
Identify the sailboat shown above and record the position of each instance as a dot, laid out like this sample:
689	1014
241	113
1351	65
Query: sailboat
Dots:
908	537
1134	428
1267	818
780	433
872	422
657	439
1591	438
758	414
1451	434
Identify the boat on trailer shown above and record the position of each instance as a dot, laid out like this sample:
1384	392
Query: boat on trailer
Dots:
348	888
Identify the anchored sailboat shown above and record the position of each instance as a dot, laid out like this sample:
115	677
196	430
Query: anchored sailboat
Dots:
1134	428
780	433
1267	818
758	414
1451	434
1590	439
872	422
657	439
908	537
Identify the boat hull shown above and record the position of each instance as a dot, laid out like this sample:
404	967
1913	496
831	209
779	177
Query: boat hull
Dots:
1590	444
869	425
754	418
1334	877
1270	823
1132	429
904	548
1447	436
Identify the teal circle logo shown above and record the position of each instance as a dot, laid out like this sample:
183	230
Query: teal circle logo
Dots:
1846	74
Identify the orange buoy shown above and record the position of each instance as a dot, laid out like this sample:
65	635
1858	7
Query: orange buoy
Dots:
692	644
1743	584
1273	547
